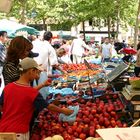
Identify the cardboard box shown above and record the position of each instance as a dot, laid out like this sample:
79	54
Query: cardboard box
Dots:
7	136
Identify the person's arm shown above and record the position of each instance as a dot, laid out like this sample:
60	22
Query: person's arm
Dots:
55	108
100	51
86	46
44	84
53	60
110	51
58	67
40	104
60	61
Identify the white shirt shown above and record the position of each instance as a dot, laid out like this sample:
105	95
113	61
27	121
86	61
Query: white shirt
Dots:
106	50
36	44
47	56
114	52
78	46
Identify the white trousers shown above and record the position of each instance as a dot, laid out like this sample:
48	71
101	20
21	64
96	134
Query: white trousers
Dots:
77	59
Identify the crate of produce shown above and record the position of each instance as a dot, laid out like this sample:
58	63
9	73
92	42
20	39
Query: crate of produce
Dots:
114	100
8	136
91	116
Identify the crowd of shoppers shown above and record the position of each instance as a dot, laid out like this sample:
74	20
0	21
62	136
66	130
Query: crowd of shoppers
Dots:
26	65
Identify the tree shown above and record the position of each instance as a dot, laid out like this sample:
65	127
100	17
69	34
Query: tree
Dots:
136	26
74	11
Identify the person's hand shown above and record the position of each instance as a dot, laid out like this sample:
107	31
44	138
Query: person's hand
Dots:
48	82
57	75
65	72
67	111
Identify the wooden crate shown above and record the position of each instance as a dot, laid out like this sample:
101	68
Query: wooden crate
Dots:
137	123
136	109
7	136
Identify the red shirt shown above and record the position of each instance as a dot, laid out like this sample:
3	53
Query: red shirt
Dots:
18	108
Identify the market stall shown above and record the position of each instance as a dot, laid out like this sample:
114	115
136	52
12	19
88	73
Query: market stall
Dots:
91	92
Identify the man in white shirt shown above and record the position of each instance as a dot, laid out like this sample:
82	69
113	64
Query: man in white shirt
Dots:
106	50
47	59
78	49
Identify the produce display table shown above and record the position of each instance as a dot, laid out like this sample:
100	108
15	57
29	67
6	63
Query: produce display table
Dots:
100	105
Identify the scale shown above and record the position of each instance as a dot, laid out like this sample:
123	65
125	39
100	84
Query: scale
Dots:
131	94
113	78
118	70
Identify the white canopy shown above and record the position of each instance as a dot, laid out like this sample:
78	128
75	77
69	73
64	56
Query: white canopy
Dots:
13	27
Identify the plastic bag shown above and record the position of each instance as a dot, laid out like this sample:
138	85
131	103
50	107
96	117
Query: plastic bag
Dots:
70	118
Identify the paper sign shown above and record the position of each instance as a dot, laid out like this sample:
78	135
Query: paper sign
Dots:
132	133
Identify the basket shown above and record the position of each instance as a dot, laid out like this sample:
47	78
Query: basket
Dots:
135	83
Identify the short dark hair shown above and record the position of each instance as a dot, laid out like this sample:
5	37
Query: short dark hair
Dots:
2	33
47	35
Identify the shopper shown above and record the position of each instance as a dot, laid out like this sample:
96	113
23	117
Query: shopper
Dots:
48	59
67	46
3	39
60	52
78	49
19	48
19	100
47	54
106	50
3	49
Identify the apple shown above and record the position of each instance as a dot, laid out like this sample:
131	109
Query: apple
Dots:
113	123
86	120
113	113
82	136
93	111
70	131
86	112
86	130
91	117
79	130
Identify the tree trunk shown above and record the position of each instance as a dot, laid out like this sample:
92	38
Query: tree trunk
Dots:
108	22
136	27
23	10
118	19
83	24
44	24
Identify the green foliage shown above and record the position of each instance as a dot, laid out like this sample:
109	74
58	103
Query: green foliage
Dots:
73	11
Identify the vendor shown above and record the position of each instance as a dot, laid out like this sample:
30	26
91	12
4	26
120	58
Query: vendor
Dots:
19	103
